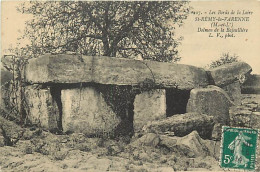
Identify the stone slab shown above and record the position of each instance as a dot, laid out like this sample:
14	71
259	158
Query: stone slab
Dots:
43	109
60	68
191	145
149	106
182	124
228	73
85	111
64	68
243	116
133	72
234	92
149	139
212	101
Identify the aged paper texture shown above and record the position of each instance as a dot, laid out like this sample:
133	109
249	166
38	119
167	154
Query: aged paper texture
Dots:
130	85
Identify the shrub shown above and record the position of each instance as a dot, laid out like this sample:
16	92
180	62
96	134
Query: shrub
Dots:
224	59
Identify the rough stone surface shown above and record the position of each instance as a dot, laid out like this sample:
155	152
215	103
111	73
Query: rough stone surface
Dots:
64	68
149	139
75	152
149	106
255	122
191	145
240	116
132	72
217	131
248	113
43	109
228	73
61	68
212	101
234	92
183	124
85	111
244	116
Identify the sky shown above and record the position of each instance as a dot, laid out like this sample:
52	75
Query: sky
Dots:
197	48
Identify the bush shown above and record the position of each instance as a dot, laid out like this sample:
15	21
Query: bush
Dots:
14	106
224	59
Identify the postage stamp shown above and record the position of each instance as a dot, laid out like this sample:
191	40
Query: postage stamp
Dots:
238	148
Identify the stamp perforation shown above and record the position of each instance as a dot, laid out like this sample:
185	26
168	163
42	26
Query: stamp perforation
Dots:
222	149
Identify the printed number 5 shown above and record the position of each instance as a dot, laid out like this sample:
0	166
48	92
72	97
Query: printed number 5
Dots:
227	159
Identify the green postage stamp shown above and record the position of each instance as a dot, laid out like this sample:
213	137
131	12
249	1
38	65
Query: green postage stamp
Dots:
238	148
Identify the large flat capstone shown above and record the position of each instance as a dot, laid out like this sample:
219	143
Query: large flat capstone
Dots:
65	68
59	69
149	106
212	101
84	110
229	73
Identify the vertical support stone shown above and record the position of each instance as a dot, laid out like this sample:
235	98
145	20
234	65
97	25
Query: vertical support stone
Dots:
149	106
234	92
212	101
43	109
84	110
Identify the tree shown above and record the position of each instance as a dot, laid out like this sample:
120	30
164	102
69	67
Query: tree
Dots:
224	59
14	103
121	28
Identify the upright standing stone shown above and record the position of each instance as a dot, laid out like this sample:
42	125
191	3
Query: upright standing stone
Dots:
212	101
43	109
234	92
84	110
65	68
149	106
